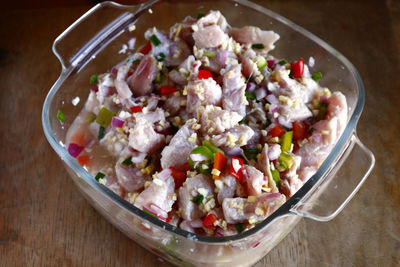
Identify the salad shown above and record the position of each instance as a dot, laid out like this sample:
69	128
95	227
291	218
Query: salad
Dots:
203	128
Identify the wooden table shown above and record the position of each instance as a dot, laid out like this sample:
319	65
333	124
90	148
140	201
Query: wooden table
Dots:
44	220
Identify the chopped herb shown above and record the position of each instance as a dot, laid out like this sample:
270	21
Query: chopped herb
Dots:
198	200
200	15
257	46
148	212
311	130
323	109
204	167
244	120
174	127
159	77
154	40
94	78
209	54
149	159
276	177
250	95
127	162
101	132
104	117
268	123
240	227
282	62
60	116
211	147
160	57
251	153
317	76
99	176
135	61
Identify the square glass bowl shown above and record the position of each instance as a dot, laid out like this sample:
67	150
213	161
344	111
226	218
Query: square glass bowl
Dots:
91	45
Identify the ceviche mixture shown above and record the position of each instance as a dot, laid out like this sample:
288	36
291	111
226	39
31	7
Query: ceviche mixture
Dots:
204	129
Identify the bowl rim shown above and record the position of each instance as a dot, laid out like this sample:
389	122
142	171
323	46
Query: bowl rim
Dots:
284	210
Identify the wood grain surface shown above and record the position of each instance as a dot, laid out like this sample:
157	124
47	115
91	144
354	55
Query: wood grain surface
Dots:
44	220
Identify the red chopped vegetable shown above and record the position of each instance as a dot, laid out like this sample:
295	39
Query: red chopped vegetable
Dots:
166	90
297	68
179	176
277	131
299	129
204	74
168	219
238	174
146	49
83	160
209	220
136	109
74	149
219	164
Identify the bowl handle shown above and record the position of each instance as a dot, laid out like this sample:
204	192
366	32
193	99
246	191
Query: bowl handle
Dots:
339	184
92	31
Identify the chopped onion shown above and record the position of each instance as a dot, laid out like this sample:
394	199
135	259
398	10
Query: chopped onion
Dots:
271	64
74	150
234	152
94	89
260	93
272	99
164	174
250	87
114	71
162	214
131	43
116	122
317	137
274	151
272	195
284	123
195	223
198	157
311	62
273	108
222	57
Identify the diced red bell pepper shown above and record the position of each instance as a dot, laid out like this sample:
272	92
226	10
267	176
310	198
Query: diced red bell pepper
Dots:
204	74
166	90
238	174
219	163
209	220
146	49
299	130
297	68
277	131
136	109
179	176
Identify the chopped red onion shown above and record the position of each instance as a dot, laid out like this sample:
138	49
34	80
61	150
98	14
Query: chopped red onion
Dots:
274	151
116	122
164	174
198	157
284	123
234	152
196	223
260	93
250	87
162	214
273	108
272	195
272	99
219	232
74	150
317	137
114	71
94	89
271	64
222	57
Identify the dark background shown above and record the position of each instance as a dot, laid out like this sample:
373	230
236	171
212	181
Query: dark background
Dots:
44	221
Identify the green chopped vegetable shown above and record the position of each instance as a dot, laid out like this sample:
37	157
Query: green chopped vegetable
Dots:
286	141
268	123
101	132
99	176
209	54
135	61
94	78
159	77
311	130
285	160
91	117
276	177
198	200
200	15
148	212
149	159
240	227
244	120
323	109
60	116
211	147
204	167
154	40
251	153
257	46
250	95
202	150
127	162
261	63
317	76
282	62
105	116
160	57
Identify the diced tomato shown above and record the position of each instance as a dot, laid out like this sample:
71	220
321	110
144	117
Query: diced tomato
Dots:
238	174
219	163
179	176
136	109
166	90
168	219
297	68
146	49
277	131
129	74
204	74
209	220
299	130
83	160
295	146
186	167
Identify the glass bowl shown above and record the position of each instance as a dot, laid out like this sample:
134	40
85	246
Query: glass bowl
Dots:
91	45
